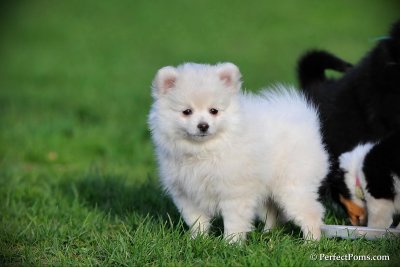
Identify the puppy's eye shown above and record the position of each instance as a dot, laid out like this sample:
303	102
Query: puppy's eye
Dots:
214	111
187	112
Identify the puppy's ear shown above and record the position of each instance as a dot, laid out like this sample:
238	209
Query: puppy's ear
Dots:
230	75
164	81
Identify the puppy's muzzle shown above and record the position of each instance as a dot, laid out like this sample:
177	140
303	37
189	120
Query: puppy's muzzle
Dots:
357	214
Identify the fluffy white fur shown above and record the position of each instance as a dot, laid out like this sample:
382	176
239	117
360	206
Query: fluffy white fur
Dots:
379	211
261	153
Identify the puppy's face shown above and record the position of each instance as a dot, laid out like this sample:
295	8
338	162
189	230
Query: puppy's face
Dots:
197	102
199	115
351	163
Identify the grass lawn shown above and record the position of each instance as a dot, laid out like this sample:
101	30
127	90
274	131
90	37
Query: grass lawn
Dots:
78	178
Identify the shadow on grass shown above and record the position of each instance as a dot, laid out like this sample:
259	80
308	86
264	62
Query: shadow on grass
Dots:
119	196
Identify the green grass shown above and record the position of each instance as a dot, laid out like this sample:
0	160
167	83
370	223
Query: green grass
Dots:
78	179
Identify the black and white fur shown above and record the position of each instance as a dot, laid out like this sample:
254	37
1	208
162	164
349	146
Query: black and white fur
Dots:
362	106
377	167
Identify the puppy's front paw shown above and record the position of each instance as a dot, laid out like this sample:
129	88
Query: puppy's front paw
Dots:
235	238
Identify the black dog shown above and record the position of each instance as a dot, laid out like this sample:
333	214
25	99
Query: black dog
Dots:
364	104
361	106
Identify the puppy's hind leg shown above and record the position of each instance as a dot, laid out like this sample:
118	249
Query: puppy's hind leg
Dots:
305	210
269	215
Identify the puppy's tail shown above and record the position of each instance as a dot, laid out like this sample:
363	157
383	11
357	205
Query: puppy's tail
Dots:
312	65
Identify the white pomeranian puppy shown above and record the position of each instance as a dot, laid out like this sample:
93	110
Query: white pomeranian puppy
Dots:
238	155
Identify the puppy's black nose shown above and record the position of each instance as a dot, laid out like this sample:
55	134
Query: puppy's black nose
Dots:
203	127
